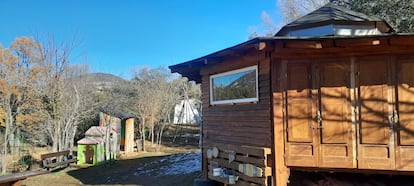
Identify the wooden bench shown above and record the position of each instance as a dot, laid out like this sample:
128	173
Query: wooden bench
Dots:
55	159
16	178
259	157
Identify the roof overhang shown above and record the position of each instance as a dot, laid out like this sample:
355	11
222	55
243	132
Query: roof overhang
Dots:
116	113
281	45
191	69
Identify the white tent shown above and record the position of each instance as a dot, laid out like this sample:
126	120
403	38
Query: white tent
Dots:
186	112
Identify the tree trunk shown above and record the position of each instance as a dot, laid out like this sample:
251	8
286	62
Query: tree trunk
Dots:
4	158
18	139
12	142
62	134
107	146
64	142
59	137
71	142
143	135
55	138
8	131
152	133
159	136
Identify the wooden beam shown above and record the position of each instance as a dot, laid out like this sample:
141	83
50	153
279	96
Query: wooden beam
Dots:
360	42
260	45
303	44
349	51
280	172
129	135
402	41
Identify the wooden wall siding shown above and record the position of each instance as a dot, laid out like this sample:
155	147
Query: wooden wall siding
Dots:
242	123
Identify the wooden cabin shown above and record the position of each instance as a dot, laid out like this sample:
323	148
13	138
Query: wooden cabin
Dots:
332	91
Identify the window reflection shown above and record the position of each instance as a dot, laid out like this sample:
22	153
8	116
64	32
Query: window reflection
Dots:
235	86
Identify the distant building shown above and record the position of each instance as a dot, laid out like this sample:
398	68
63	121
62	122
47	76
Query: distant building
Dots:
115	134
123	125
91	148
186	112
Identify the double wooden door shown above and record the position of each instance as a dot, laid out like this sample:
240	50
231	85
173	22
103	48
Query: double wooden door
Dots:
356	114
386	114
318	115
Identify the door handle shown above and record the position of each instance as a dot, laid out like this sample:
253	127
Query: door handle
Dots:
318	117
395	117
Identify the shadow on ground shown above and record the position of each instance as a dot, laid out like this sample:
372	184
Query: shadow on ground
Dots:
165	170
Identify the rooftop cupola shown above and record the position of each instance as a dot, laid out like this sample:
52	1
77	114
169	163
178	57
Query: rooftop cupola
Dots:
333	20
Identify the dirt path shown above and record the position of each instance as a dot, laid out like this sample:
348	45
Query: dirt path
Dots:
177	169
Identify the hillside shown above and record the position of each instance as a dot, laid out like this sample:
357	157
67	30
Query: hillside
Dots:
97	78
102	80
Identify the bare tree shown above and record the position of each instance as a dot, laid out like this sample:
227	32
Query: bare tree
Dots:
146	106
169	95
157	92
76	105
267	28
61	94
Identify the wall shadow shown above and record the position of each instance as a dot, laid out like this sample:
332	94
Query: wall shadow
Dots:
140	171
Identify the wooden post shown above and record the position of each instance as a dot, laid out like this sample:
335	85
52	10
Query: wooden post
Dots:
129	135
280	171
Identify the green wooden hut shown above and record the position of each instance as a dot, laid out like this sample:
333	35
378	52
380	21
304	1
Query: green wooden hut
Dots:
91	149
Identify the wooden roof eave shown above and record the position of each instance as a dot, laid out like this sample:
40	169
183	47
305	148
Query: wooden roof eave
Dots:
191	69
344	46
117	113
301	47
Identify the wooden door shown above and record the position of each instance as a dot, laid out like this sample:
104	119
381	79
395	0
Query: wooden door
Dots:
300	143
336	134
404	116
376	147
318	116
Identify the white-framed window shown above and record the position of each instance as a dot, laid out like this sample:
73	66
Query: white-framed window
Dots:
235	86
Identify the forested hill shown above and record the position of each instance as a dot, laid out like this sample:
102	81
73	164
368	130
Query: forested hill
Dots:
102	77
102	80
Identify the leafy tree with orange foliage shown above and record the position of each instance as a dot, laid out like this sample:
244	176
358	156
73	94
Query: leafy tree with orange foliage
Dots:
19	71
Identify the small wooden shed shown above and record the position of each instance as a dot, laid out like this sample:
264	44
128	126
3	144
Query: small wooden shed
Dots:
91	148
123	124
332	91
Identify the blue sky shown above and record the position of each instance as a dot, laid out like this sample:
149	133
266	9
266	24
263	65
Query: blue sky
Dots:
117	36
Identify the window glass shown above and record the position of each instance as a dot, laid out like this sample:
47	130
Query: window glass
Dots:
234	86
